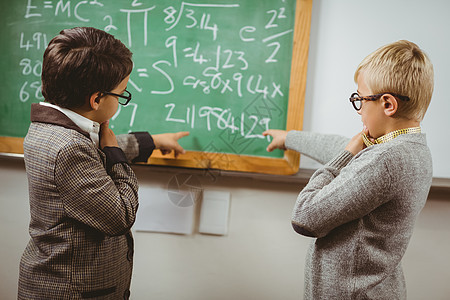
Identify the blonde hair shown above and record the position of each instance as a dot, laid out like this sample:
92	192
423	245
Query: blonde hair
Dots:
401	68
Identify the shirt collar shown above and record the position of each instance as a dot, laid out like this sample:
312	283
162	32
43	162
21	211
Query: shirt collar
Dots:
91	127
390	136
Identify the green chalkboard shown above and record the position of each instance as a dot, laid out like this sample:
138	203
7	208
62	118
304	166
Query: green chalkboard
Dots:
219	69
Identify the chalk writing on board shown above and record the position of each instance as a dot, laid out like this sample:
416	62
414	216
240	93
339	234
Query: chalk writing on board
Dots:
31	68
222	118
59	7
198	65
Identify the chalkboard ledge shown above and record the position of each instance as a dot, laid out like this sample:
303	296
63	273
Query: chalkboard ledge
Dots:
438	185
286	165
301	177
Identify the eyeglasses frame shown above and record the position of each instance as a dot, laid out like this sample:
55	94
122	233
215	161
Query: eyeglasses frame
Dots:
375	97
128	98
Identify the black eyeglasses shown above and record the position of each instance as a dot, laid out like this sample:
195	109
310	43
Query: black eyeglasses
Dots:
356	99
125	95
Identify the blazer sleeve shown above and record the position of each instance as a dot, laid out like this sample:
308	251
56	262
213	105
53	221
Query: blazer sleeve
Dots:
106	202
137	146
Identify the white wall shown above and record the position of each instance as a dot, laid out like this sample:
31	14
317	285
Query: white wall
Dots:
261	257
344	32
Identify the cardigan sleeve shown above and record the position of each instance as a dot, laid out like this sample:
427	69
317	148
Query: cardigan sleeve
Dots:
320	147
341	192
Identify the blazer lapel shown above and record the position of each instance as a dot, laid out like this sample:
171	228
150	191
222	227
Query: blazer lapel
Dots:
49	115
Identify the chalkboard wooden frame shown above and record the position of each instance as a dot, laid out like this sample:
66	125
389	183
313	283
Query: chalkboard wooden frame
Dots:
289	164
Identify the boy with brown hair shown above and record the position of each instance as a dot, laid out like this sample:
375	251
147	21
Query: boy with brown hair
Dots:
83	194
361	206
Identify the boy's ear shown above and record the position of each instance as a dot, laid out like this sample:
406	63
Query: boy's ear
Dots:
390	104
94	100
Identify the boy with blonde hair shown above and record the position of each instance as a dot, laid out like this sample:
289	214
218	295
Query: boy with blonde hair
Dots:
361	206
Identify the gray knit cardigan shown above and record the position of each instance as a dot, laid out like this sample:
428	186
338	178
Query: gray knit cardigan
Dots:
361	212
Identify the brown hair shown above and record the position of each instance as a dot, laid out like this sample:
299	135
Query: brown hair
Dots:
81	61
401	68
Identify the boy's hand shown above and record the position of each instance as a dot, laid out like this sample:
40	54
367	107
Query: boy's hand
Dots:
279	138
356	144
166	142
107	136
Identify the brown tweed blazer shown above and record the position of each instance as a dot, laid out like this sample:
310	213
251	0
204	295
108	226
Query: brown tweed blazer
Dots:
83	202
